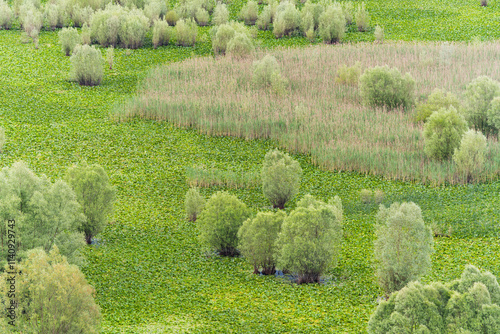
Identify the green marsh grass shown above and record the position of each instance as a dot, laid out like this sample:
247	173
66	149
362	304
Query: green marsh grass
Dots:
316	115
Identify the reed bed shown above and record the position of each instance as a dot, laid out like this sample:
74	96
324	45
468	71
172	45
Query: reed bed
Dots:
316	115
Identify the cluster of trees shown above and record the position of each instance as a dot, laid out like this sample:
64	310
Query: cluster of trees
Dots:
55	218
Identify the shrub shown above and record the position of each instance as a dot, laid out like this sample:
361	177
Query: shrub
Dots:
366	195
220	221
442	133
110	54
48	213
86	64
86	34
467	305
280	177
105	25
32	22
470	156
384	86
221	14
134	26
81	16
348	9
172	17
332	24
348	75
161	33
6	15
54	16
186	31
52	296
478	97
95	194
379	34
2	139
249	12
310	239
403	245
266	74
193	204
264	20
223	34
257	240
202	17
155	9
69	38
240	45
378	196
314	10
362	18
287	20
484	3
436	101
493	114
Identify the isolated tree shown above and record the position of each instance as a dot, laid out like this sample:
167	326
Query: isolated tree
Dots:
403	245
51	295
95	194
193	203
257	237
310	239
68	38
470	156
45	214
478	97
467	305
86	65
280	177
220	221
442	133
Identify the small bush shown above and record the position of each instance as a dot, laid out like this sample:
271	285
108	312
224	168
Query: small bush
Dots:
478	97
86	64
110	55
2	139
221	14
240	46
378	196
106	25
379	34
467	305
366	195
81	16
403	245
470	156
134	26
249	12
332	24
493	114
69	38
348	75
155	9
161	33
186	32
54	16
258	240
223	34
280	177
220	221
310	239
348	9
264	20
384	86
266	74
287	20
443	132
362	18
202	17
6	15
86	34
193	204
32	22
172	17
435	102
484	3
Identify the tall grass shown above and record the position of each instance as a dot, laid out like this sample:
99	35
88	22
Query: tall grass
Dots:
316	115
201	176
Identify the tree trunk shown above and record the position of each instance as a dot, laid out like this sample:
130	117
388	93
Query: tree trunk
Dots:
268	270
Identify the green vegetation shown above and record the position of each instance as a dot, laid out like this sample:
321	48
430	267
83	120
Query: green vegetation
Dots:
469	156
87	66
69	38
193	204
436	101
479	95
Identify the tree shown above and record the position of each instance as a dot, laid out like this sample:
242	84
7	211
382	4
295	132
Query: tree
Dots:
442	133
310	239
403	245
95	195
44	213
193	203
257	237
436	101
470	156
478	97
467	305
220	221
51	296
280	178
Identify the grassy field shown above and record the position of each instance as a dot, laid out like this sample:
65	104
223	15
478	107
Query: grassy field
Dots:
150	274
